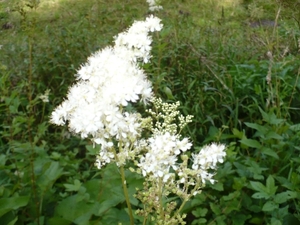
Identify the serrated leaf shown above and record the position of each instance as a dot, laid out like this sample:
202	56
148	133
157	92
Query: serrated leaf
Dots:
260	195
285	196
264	114
239	183
73	187
200	212
295	127
269	206
273	135
218	186
92	150
240	219
237	133
199	221
231	196
215	208
257	186
220	220
270	118
270	185
263	130
269	152
251	143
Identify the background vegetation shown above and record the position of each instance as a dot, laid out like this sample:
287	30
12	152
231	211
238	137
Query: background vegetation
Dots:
232	64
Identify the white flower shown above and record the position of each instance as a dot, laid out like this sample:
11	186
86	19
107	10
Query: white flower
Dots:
106	83
207	159
44	97
60	115
154	5
103	158
154	23
162	155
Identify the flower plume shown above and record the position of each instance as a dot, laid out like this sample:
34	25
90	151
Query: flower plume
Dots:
108	81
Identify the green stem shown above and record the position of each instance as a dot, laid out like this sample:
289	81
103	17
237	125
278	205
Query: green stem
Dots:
124	185
161	209
29	128
187	198
181	207
145	220
126	195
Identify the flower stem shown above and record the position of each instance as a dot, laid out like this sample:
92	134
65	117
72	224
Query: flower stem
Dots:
126	195
161	208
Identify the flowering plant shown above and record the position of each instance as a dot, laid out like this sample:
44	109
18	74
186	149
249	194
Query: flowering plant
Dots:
95	108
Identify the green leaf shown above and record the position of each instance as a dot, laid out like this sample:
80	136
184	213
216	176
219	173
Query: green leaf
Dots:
92	150
269	152
93	187
200	212
295	127
13	203
199	221
2	160
231	196
111	189
240	219
273	135
73	187
220	220
239	183
270	118
260	195
115	216
256	220
275	221
78	212
50	173
9	218
168	92
238	134
13	221
270	185
218	186
269	206
261	129
251	143
257	186
285	196
215	208
59	221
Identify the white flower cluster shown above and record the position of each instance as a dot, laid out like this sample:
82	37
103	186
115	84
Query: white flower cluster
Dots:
154	5
45	97
161	156
207	160
106	83
164	151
